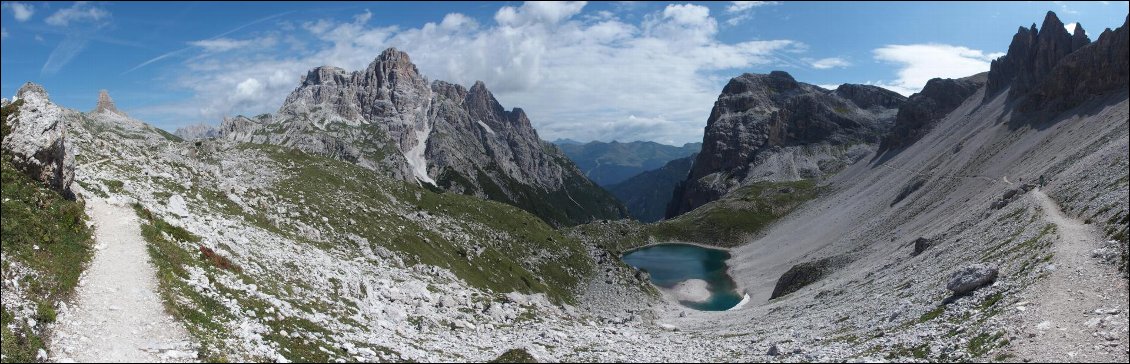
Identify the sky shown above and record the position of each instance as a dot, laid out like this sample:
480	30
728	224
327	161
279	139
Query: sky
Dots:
586	71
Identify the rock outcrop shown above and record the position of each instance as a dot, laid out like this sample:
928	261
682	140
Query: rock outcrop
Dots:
806	273
388	117
919	114
197	131
868	97
106	104
769	127
1031	57
36	138
971	277
1093	69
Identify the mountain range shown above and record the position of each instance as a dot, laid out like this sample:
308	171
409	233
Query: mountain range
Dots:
380	216
610	163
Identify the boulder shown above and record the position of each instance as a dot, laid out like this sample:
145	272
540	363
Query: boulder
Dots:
920	245
36	137
806	273
177	205
971	277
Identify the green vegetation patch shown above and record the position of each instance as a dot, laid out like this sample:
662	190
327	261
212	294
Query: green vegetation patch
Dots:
490	245
515	356
731	220
46	232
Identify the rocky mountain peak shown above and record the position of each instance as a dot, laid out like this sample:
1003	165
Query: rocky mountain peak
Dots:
32	90
106	104
392	65
389	117
395	56
326	75
1031	56
481	103
762	124
867	96
778	81
1079	37
1091	70
918	115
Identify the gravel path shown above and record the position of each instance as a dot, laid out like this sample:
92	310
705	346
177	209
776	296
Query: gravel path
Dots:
119	316
1078	313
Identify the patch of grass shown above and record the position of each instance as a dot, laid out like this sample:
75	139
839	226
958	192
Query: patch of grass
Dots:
984	342
515	356
168	136
991	300
203	316
45	312
114	185
921	351
932	314
1003	357
489	245
848	339
44	231
18	342
731	220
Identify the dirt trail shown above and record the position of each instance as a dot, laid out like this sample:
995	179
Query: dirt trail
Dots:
119	316
1078	313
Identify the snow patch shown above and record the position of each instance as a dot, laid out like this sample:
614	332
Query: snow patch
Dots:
415	155
745	300
485	126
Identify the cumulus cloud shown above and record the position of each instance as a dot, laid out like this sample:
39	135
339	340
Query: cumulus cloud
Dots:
1071	28
577	76
919	63
22	12
827	63
79	12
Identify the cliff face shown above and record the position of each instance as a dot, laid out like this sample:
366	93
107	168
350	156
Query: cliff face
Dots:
769	127
925	108
1093	69
1031	56
388	117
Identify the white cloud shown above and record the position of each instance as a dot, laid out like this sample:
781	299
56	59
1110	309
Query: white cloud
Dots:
538	12
740	11
457	21
740	6
1071	28
3	33
827	63
830	86
22	12
919	63
576	76
79	12
66	51
221	44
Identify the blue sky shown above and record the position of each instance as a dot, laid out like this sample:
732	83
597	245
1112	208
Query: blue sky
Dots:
586	71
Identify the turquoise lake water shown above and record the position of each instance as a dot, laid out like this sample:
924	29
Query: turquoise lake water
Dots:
669	264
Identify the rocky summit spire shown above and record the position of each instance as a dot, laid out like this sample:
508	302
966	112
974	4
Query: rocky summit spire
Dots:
1031	57
106	104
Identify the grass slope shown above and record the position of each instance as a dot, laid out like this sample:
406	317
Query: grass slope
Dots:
45	232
